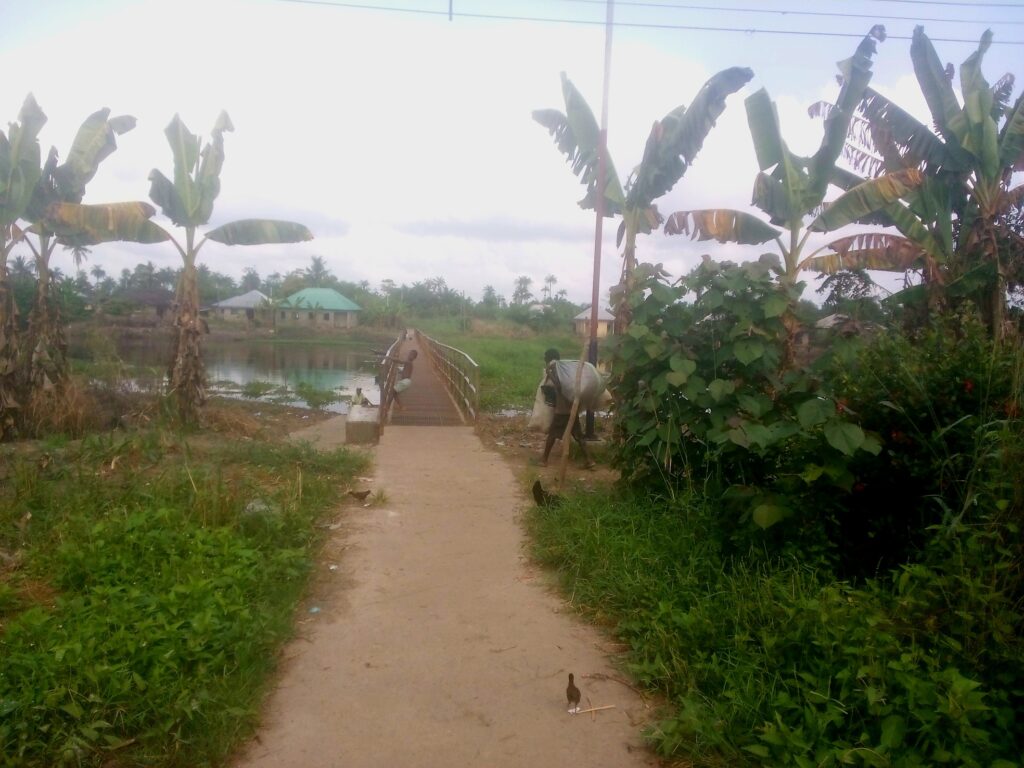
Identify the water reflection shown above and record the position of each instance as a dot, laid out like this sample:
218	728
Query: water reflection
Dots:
341	369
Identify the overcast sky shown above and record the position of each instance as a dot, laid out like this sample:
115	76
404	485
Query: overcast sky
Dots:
405	140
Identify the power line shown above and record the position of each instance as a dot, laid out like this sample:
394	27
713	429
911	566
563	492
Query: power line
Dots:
788	12
630	24
959	5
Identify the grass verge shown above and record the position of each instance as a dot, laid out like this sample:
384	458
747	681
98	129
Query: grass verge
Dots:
777	663
148	582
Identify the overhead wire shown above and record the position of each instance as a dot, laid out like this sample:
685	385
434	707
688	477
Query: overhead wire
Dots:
626	24
792	12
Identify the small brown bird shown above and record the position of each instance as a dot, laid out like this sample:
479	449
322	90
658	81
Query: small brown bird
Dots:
360	495
572	694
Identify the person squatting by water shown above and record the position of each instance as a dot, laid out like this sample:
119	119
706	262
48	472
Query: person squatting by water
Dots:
552	390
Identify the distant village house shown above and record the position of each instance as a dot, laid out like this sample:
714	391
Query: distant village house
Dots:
241	308
605	319
317	308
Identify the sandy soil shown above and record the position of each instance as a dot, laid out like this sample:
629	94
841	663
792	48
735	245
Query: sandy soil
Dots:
434	641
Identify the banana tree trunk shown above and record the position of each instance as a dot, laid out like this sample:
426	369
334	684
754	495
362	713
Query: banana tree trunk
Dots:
9	383
47	345
187	375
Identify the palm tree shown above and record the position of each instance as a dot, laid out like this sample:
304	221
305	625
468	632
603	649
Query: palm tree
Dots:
317	273
671	148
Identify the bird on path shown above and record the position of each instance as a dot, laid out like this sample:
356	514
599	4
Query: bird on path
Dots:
544	498
572	694
360	495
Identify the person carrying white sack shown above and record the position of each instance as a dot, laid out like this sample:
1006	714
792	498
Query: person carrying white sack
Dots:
561	399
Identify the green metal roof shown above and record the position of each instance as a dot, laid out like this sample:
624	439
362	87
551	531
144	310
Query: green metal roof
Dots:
320	298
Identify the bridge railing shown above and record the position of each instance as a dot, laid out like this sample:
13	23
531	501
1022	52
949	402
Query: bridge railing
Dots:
389	367
459	373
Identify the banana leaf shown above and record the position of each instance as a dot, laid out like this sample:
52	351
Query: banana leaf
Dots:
722	225
577	136
870	250
866	198
259	232
77	225
93	143
185	147
675	140
20	157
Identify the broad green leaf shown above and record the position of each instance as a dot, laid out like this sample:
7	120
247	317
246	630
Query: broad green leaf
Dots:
935	86
675	140
783	194
82	225
163	193
856	75
259	232
682	364
980	138
893	730
748	350
755	406
20	158
815	411
719	388
676	378
577	136
722	225
93	143
866	198
208	177
767	515
868	250
1011	138
811	473
185	147
774	306
844	436
758	433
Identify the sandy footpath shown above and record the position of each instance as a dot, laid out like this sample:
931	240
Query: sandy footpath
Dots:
436	643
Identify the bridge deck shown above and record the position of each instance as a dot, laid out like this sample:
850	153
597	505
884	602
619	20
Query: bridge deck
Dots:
426	402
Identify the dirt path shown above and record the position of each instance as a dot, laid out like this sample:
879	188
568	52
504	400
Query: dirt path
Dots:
437	644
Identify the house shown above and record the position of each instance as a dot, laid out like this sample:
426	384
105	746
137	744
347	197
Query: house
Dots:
605	320
239	308
317	308
149	305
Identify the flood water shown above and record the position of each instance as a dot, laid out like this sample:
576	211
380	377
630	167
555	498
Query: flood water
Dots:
231	364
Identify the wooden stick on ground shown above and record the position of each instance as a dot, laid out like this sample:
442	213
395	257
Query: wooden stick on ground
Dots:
595	709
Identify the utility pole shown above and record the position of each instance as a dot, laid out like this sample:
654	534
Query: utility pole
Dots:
602	173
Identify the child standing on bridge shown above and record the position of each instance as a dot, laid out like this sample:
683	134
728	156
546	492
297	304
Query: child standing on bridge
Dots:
404	378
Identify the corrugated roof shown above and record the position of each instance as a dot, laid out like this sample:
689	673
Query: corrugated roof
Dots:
320	298
602	314
249	300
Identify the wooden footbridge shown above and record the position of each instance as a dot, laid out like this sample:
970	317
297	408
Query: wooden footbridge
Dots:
445	388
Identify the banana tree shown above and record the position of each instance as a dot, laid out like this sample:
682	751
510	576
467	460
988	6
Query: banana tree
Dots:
188	202
790	189
671	148
56	216
969	162
19	172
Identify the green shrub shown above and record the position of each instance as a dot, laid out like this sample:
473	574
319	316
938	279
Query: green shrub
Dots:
712	397
947	404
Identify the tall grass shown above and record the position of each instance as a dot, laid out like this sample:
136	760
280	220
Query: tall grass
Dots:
156	579
775	663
